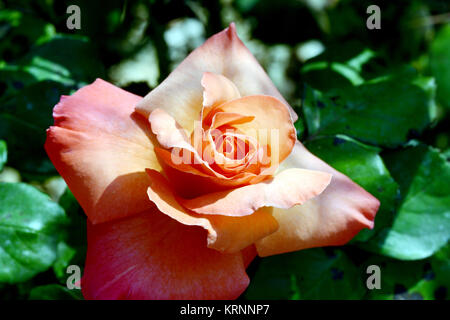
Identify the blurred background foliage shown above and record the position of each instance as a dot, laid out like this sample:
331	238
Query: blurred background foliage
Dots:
374	104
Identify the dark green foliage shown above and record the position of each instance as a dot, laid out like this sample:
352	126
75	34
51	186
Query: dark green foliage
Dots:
374	104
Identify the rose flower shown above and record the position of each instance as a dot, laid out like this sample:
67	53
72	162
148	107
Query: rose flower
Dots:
184	187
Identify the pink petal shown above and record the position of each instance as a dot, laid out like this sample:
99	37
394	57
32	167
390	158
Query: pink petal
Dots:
288	188
332	218
226	234
181	94
151	256
101	148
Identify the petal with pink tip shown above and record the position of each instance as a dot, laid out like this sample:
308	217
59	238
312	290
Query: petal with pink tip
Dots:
151	256
288	188
332	218
226	234
101	148
181	93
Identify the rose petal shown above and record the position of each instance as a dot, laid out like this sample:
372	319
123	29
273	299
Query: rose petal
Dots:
231	163
167	130
181	94
248	254
171	135
332	218
151	256
272	124
189	181
288	188
227	118
217	89
101	148
227	234
185	158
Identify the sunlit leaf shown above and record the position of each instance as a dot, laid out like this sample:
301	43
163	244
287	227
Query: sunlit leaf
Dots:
28	224
422	223
65	58
3	154
19	31
387	112
64	254
363	165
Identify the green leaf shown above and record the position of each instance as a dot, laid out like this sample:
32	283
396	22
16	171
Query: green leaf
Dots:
422	224
329	75
23	121
440	68
75	244
308	274
66	59
300	128
3	154
54	292
386	112
64	254
20	31
424	279
396	278
13	79
364	166
29	224
71	251
446	154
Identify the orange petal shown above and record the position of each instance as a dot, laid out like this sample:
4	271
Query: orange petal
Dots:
191	181
184	157
181	94
167	130
234	161
288	188
101	148
171	135
227	234
272	124
227	118
150	256
332	218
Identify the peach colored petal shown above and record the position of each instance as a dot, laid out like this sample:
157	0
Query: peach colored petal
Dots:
332	218
272	124
229	164
227	118
288	188
101	148
227	234
217	89
190	182
181	94
167	131
235	233
151	256
171	135
184	157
